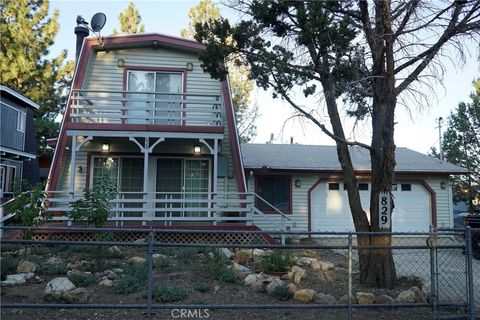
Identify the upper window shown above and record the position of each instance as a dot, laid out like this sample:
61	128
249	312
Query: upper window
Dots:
361	187
406	187
21	121
276	191
334	186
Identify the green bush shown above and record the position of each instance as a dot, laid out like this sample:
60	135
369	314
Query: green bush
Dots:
8	265
127	284
137	270
162	263
282	293
218	268
82	279
57	268
165	293
277	262
201	286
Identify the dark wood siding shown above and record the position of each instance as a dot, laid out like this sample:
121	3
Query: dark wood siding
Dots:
10	137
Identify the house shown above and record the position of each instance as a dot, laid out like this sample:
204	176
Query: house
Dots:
305	182
18	148
142	111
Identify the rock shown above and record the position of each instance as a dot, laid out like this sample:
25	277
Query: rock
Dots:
117	270
305	261
247	253
110	275
216	289
296	274
292	288
137	260
56	287
241	268
140	240
74	271
77	295
54	260
114	250
23	252
407	296
258	286
419	295
341	270
160	260
344	299
14	279
26	266
365	297
272	286
325	265
329	275
78	264
251	278
304	295
384	299
316	266
106	283
37	279
323	298
227	253
258	255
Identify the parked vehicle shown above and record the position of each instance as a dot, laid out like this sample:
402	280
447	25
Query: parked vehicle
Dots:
473	221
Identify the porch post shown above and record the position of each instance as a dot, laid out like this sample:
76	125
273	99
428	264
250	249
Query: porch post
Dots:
215	166
73	164
146	153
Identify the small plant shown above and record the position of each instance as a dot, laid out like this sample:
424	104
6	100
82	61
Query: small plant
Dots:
277	262
29	206
94	208
201	286
162	262
165	293
186	255
8	265
137	270
282	293
126	285
56	269
217	268
82	279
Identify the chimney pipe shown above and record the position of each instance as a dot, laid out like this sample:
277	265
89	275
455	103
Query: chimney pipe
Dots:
81	31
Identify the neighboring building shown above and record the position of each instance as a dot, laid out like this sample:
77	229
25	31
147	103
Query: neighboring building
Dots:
143	112
18	148
305	181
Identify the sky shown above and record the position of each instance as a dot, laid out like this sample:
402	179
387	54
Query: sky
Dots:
415	129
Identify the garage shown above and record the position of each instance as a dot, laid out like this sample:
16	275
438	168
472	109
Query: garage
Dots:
330	210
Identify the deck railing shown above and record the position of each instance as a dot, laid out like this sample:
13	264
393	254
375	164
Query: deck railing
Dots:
152	108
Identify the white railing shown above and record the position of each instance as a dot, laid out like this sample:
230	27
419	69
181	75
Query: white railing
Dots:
154	108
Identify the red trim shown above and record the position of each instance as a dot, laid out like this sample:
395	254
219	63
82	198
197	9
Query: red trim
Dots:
141	127
433	198
234	141
290	204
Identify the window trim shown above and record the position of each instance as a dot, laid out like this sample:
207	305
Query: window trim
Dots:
257	187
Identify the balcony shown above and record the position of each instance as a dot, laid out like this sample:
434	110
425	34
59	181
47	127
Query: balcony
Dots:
120	109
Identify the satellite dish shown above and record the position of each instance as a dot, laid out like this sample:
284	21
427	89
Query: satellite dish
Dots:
98	21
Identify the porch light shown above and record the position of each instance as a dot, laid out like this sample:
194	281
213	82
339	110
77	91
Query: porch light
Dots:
120	63
443	185
189	66
105	147
197	149
298	183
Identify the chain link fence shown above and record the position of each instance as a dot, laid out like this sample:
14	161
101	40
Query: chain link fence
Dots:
314	275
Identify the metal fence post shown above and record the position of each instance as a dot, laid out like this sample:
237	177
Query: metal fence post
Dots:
431	242
350	265
469	256
149	275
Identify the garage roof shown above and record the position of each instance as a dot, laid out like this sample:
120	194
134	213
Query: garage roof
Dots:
324	158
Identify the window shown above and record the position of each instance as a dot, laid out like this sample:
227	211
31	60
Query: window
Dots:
394	187
21	121
363	186
333	186
144	106
276	191
105	166
7	179
406	187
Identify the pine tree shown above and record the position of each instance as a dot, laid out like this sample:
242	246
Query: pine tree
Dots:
130	21
27	34
241	86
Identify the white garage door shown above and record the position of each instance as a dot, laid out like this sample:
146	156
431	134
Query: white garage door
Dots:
330	210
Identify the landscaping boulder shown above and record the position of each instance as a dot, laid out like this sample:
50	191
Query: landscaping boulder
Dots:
16	279
110	275
344	299
324	298
419	295
114	250
117	270
384	299
258	286
326	265
138	260
26	266
78	264
407	296
240	268
252	278
292	288
73	271
54	260
305	261
77	295
273	285
258	255
227	253
56	287
304	295
296	274
365	297
106	283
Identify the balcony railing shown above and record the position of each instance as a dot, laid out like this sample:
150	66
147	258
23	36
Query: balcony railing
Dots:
146	108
